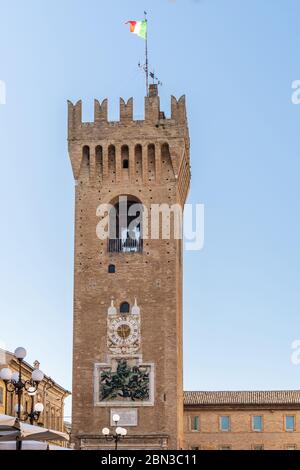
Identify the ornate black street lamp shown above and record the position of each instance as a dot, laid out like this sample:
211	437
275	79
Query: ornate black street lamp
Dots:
35	409
119	434
15	384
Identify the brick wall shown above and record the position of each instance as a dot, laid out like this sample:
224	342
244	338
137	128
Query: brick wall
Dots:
241	436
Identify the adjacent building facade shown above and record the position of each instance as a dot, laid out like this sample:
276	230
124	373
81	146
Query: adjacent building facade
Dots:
49	392
248	420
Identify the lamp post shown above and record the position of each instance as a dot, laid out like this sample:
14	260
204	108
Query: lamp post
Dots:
119	434
14	383
35	409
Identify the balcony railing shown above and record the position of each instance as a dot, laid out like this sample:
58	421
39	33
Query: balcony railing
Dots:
127	245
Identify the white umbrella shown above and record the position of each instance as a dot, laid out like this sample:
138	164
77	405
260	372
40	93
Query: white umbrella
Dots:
12	429
30	445
9	435
27	445
7	421
41	434
53	447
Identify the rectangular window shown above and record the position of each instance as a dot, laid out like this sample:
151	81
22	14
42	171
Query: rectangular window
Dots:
257	423
225	423
195	423
1	395
291	447
227	447
290	423
258	447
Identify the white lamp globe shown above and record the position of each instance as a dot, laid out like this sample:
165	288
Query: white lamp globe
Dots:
20	353
119	431
17	408
39	407
37	375
31	391
124	432
105	431
116	418
15	377
5	374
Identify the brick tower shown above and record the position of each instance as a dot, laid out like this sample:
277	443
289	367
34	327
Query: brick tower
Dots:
127	350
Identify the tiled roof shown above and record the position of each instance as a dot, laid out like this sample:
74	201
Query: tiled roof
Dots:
272	397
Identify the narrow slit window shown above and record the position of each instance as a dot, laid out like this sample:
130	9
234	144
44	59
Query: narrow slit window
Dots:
195	423
225	423
290	423
124	307
257	423
111	269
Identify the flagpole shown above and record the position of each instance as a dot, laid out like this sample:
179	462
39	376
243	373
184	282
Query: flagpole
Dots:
146	53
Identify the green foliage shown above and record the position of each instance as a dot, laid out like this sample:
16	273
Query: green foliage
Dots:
127	382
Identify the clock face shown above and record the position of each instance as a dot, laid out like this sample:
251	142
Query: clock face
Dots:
124	332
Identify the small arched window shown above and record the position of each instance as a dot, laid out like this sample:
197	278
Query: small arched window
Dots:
124	307
111	268
125	157
86	154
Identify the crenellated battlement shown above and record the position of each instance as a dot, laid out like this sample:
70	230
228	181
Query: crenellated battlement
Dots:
154	118
151	151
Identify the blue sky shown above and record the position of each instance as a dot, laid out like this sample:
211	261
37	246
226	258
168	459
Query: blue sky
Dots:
235	61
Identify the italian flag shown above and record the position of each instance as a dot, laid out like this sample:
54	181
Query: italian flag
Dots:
139	28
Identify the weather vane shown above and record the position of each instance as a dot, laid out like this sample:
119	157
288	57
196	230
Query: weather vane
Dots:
154	78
